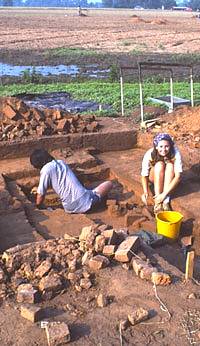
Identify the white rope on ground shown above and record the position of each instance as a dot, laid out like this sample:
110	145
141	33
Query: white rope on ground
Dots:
196	282
135	255
161	322
162	305
120	334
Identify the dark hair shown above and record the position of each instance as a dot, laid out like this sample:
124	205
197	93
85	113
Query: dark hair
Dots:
156	157
40	157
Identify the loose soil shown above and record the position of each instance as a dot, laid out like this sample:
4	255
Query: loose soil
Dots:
90	325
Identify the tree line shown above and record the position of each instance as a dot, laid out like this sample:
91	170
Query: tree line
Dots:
151	4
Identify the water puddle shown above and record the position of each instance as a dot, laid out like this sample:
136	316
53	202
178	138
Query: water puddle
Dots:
71	70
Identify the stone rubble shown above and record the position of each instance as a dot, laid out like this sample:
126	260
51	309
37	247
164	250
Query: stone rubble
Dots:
19	121
39	271
57	333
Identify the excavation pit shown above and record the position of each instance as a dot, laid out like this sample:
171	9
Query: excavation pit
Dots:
40	239
52	221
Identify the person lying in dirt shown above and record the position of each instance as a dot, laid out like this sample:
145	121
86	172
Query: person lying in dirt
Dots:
57	175
162	166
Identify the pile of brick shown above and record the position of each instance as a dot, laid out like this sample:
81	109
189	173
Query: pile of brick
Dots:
19	121
39	271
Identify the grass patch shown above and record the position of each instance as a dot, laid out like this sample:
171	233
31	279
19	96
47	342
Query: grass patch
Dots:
71	52
106	92
126	43
136	51
189	58
161	46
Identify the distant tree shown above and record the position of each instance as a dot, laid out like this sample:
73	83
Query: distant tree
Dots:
8	3
107	3
169	3
195	4
119	3
125	3
152	4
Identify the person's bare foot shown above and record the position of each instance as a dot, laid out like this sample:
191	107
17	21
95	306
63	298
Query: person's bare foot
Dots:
157	208
166	207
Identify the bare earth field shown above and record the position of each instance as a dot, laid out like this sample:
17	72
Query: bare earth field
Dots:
116	31
25	37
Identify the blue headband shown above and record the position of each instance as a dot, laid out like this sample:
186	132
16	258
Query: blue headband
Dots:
162	137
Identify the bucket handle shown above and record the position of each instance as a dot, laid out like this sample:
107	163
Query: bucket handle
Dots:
172	223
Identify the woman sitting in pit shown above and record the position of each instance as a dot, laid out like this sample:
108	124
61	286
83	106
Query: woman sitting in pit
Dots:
162	166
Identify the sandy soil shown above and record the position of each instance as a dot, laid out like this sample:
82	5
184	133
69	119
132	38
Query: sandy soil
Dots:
107	31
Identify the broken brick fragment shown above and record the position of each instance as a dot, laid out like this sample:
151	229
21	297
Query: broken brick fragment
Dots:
10	113
32	313
138	316
98	262
111	236
160	278
127	249
50	285
143	269
57	333
43	268
63	125
109	250
26	293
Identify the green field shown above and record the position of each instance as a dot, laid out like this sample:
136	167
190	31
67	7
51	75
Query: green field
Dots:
106	92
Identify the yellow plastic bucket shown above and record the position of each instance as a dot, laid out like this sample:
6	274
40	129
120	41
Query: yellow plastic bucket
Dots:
169	223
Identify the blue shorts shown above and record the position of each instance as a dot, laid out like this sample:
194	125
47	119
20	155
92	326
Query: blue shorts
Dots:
95	197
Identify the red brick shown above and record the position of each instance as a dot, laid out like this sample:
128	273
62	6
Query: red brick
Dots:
98	262
138	265
161	279
104	227
85	232
85	283
43	268
57	114
50	285
111	236
26	293
147	272
32	313
125	249
57	333
138	316
63	125
10	113
114	210
24	110
100	242
109	250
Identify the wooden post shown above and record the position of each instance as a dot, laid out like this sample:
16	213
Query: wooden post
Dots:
189	265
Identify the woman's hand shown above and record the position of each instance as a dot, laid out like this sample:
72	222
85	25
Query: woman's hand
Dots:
144	198
159	198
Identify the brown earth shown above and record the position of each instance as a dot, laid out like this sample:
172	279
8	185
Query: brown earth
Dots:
104	30
89	324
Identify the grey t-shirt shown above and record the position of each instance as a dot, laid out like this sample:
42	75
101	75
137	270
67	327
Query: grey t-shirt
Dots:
58	176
